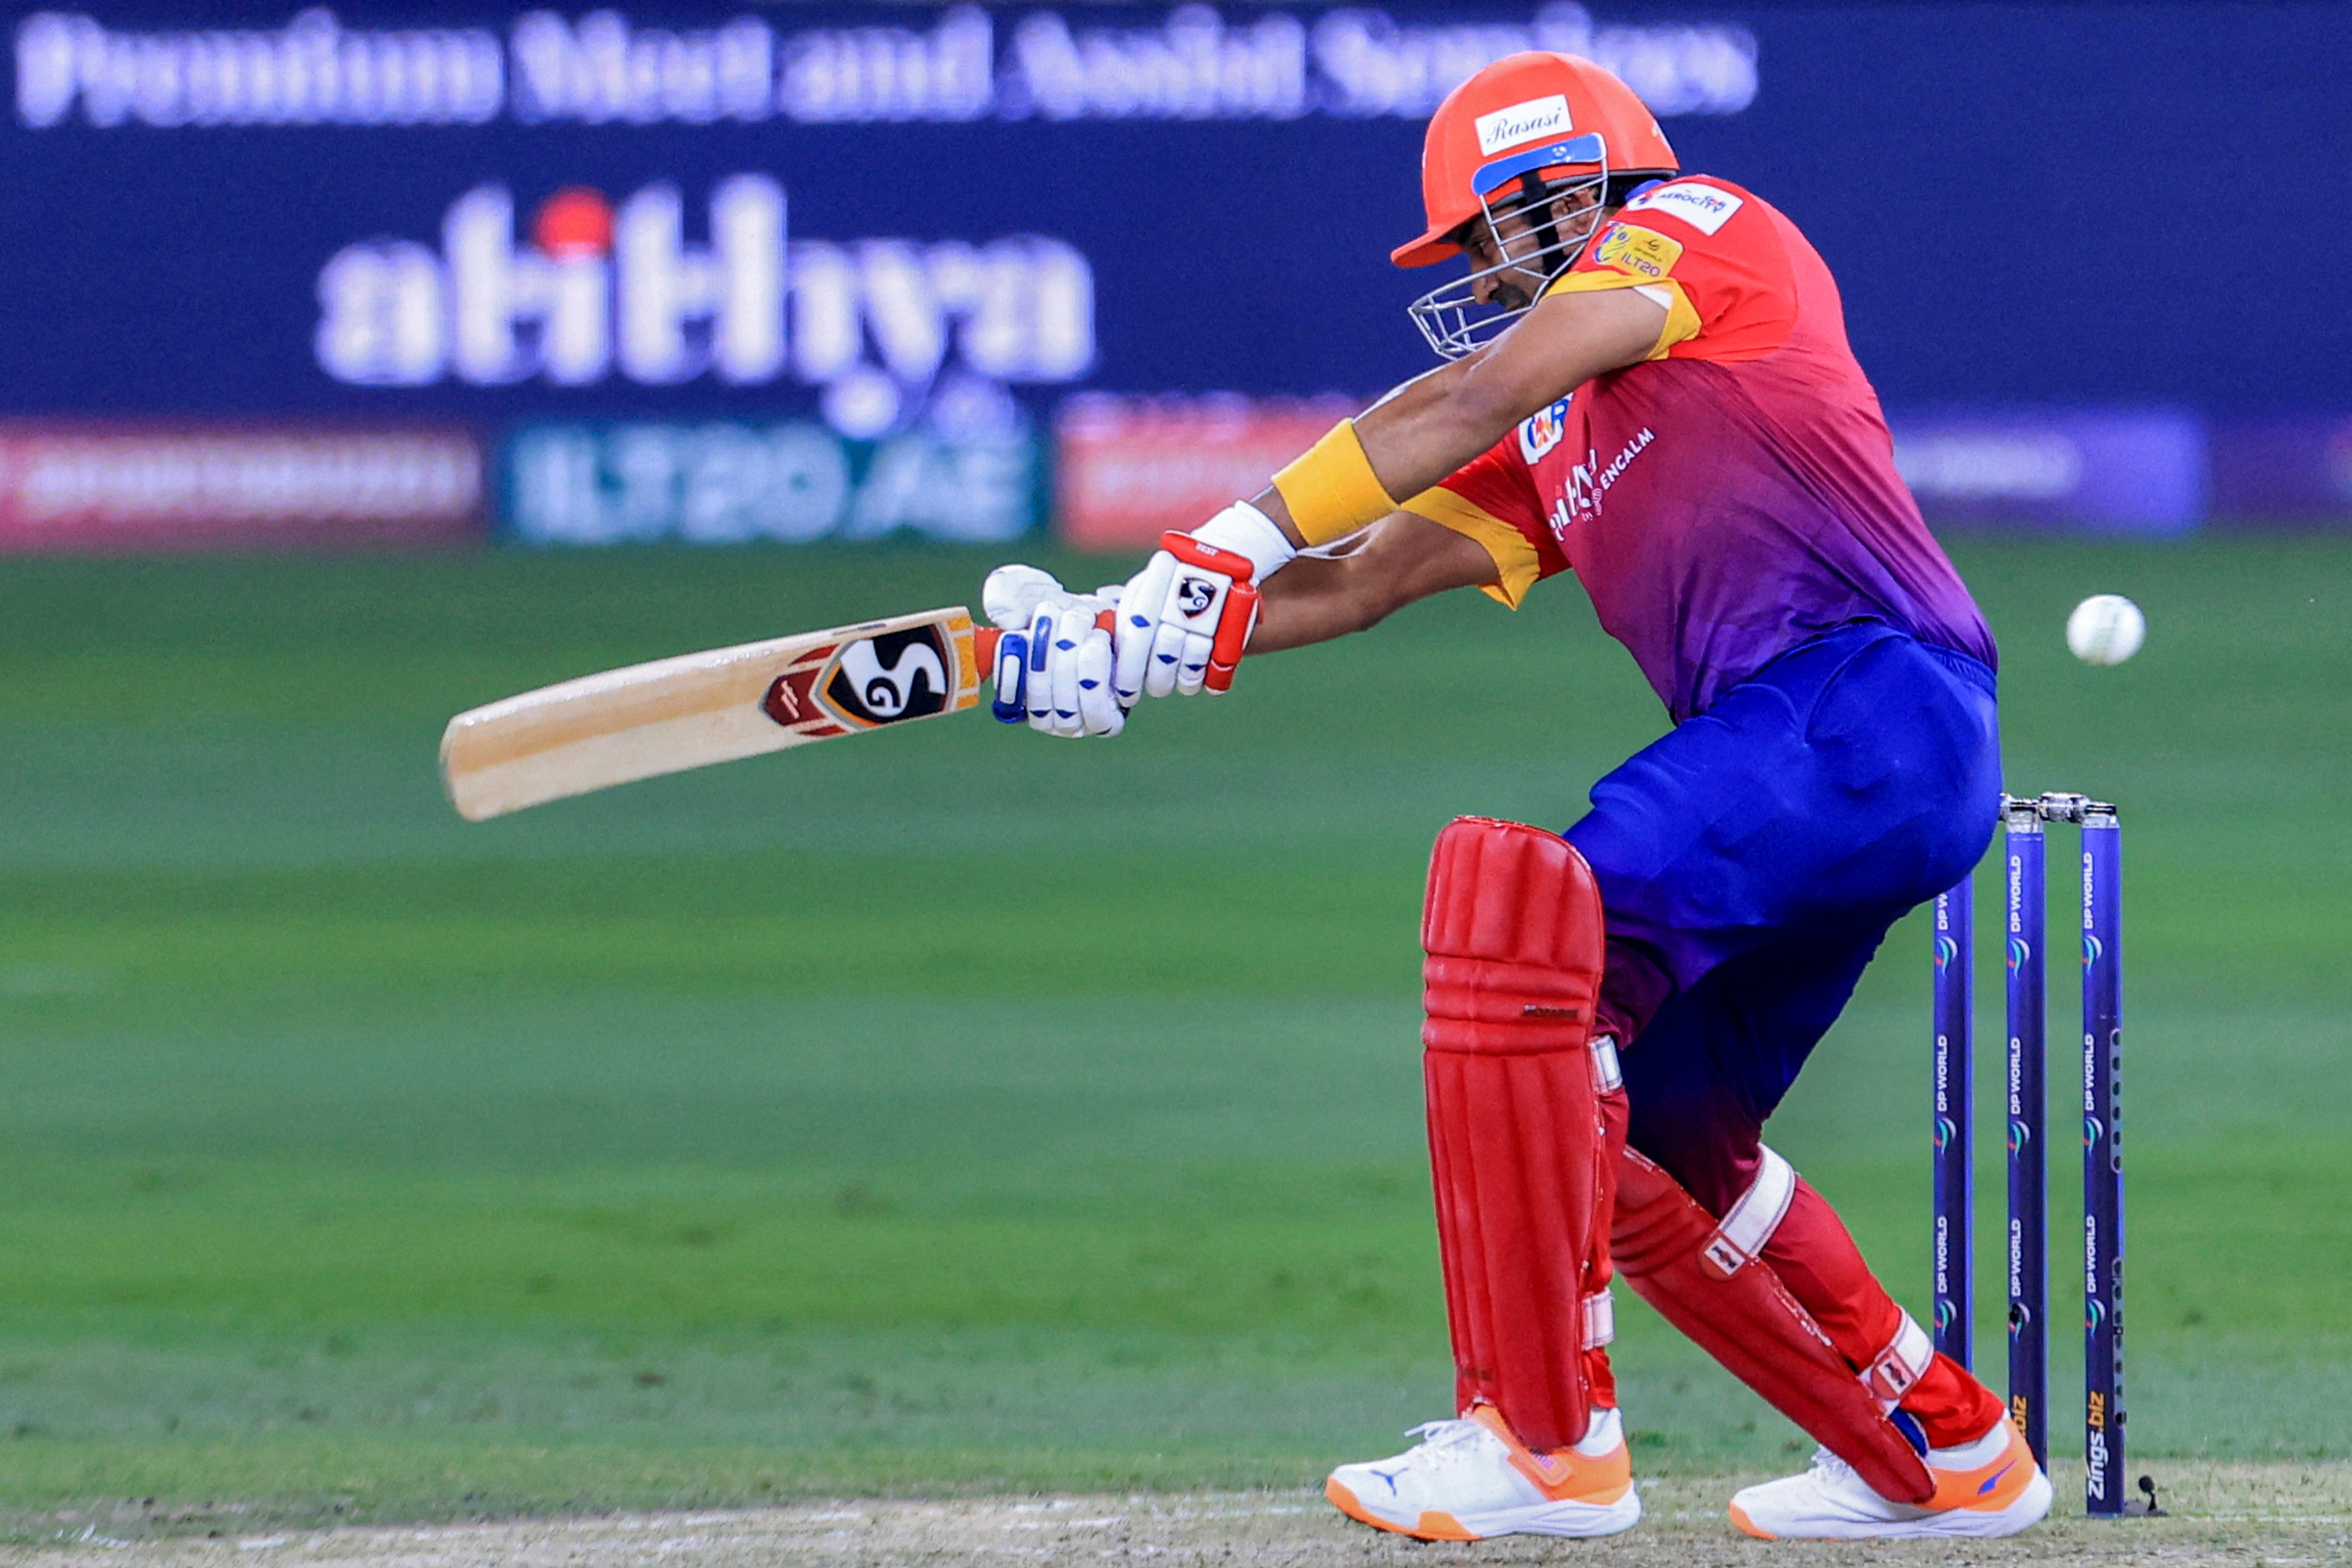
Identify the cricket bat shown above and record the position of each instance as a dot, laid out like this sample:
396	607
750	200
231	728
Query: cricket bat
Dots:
691	712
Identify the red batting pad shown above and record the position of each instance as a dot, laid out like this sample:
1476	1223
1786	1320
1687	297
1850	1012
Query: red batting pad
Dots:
1749	1322
1513	931
1506	894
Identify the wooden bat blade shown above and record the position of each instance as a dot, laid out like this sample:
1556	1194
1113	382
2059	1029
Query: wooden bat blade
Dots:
697	709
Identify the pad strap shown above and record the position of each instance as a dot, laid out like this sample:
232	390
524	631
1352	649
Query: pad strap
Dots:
1607	1077
1903	1362
1741	1234
1599	1318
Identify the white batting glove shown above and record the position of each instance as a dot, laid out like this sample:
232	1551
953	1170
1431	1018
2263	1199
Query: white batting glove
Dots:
1184	619
1054	662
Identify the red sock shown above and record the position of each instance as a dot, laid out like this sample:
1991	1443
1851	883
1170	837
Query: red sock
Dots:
1951	1406
1601	1378
1816	1258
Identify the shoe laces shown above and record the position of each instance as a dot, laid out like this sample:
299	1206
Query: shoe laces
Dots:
1829	1467
1447	1441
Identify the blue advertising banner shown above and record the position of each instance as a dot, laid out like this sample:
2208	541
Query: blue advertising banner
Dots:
731	483
941	221
2120	470
2284	473
628	213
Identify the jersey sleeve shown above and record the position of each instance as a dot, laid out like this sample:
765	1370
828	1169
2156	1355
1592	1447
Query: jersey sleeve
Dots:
1708	252
1492	498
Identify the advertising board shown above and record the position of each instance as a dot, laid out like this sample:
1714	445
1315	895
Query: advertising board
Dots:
1126	469
117	486
492	217
729	482
2117	470
2292	471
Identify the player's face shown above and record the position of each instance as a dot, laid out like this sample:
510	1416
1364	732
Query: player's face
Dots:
1515	290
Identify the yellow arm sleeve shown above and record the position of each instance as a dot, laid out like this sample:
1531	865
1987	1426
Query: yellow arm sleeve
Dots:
1330	488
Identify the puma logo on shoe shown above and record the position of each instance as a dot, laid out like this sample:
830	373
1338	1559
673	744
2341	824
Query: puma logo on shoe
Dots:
1470	1478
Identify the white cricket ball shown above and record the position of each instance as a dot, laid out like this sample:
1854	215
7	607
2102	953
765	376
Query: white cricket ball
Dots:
2106	628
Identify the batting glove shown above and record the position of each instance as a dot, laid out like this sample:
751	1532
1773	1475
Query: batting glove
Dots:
1184	619
1054	662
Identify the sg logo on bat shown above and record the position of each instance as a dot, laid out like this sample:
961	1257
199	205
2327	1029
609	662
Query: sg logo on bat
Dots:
871	681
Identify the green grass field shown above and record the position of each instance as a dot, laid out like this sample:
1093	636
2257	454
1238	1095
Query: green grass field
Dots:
955	1108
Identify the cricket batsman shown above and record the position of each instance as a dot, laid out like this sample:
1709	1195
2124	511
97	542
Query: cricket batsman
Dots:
1648	383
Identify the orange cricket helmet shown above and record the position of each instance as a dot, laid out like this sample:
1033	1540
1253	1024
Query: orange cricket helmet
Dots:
1553	116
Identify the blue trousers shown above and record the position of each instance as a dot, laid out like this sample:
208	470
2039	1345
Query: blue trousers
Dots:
1750	862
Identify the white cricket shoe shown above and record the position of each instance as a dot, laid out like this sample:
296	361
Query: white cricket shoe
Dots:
1989	1486
1470	1478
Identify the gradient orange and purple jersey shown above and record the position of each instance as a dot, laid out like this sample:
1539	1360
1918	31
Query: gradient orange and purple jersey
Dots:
1733	495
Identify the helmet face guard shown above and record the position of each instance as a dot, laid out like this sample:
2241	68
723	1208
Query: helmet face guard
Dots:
1450	315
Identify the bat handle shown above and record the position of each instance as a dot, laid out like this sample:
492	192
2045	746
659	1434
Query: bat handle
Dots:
984	639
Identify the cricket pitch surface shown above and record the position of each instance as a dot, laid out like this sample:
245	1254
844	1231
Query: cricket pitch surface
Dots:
2288	1514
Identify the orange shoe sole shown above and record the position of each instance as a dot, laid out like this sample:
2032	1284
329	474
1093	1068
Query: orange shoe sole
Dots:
1428	1527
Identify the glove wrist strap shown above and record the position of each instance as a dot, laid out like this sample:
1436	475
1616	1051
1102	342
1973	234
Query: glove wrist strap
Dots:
1249	532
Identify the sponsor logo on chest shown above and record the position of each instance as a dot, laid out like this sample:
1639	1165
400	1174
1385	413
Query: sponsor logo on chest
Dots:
1586	485
1541	432
1637	252
1706	208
